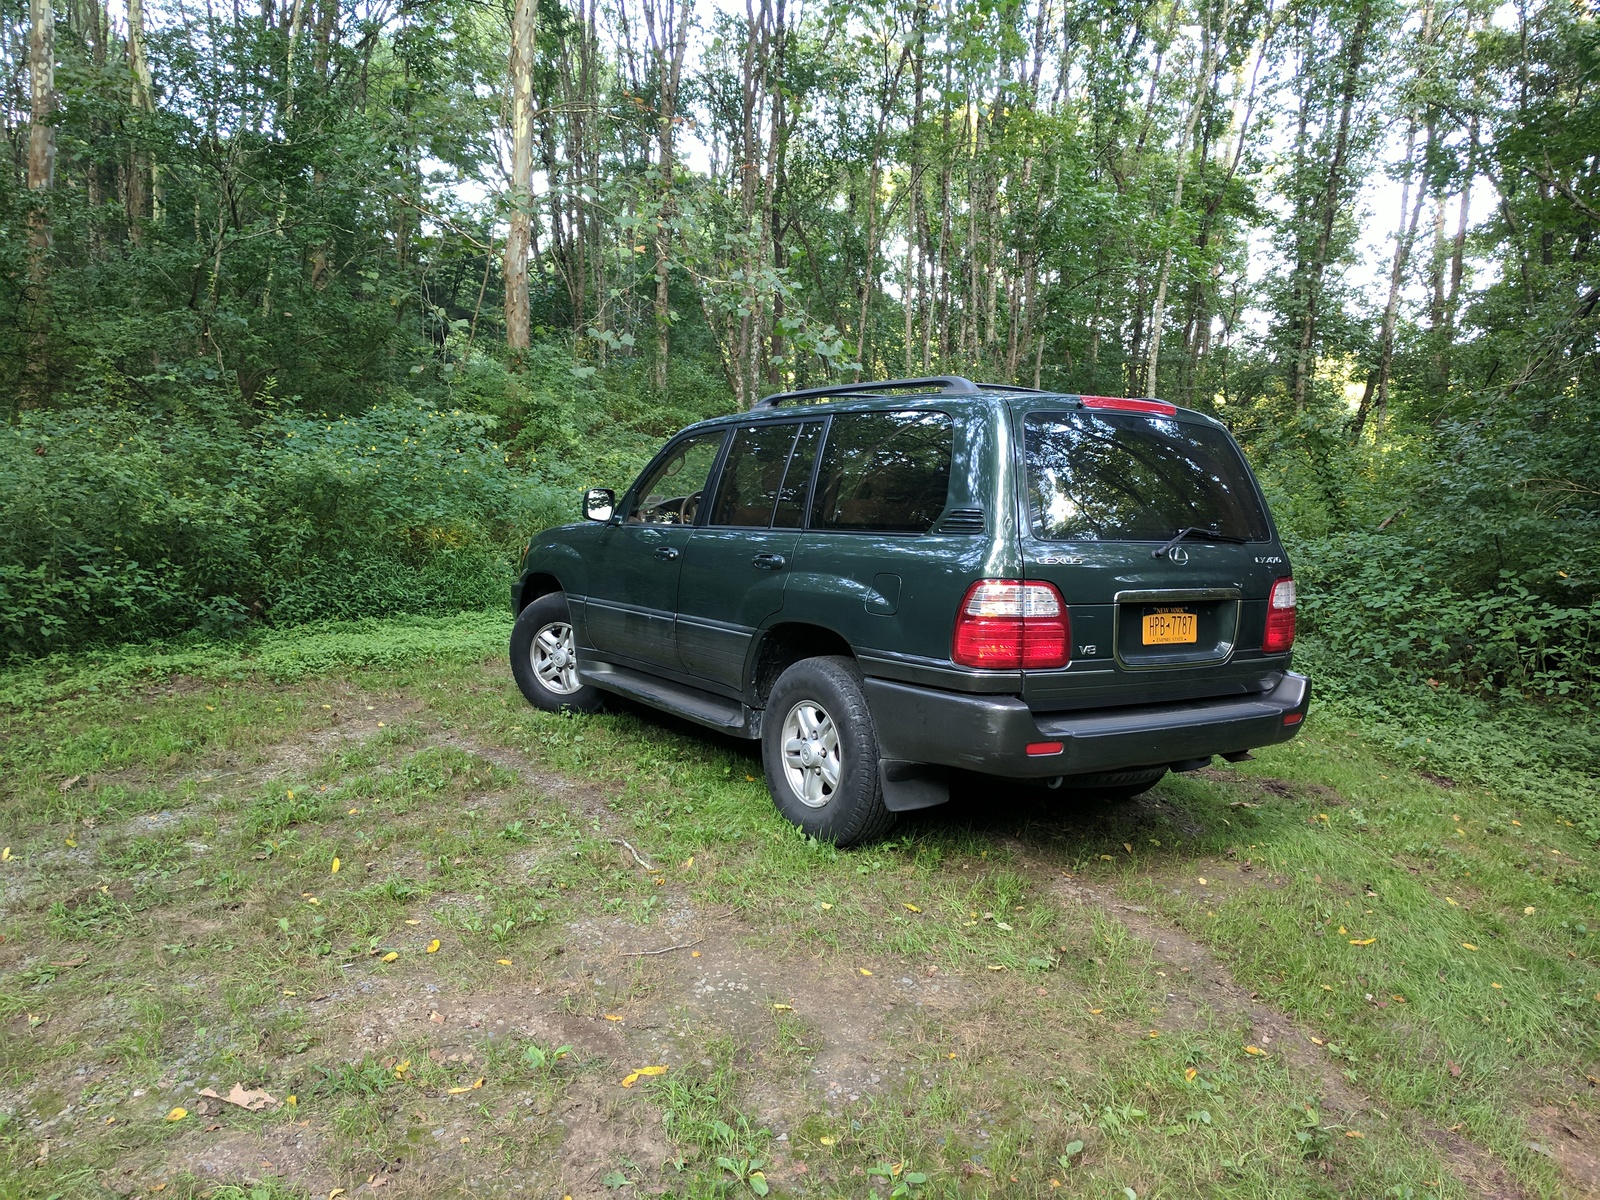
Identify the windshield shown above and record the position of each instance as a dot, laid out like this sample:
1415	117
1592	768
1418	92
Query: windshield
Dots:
1127	477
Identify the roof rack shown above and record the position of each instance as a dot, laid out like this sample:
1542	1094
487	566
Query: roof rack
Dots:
1013	387
944	385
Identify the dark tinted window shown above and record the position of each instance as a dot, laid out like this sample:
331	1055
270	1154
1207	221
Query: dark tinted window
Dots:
792	499
1125	477
752	475
886	472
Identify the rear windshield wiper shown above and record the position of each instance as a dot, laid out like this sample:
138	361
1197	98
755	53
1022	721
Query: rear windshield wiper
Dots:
1211	534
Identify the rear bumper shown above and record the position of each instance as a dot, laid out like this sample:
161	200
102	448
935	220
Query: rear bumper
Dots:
991	734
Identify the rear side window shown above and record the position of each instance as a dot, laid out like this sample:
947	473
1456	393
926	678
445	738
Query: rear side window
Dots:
884	472
1124	477
753	475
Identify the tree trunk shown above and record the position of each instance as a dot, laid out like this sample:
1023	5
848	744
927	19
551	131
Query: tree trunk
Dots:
524	31
1355	51
41	179
669	67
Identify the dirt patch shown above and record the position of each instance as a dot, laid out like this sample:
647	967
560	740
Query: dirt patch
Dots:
1571	1138
1481	1173
223	1155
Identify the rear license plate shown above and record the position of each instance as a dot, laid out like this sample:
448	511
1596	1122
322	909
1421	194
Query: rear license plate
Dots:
1170	628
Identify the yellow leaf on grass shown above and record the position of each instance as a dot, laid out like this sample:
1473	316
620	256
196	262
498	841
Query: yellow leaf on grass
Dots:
391	956
1202	879
827	1141
177	1114
1128	846
694	954
335	1194
864	971
1362	941
1529	911
5	855
909	907
783	1008
1342	929
996	967
635	1076
1316	1041
1190	1074
1154	1033
1254	1050
504	962
411	922
291	1101
1095	1012
335	870
1354	1133
1468	946
1496	987
612	1017
433	946
826	905
73	842
1451	902
471	1087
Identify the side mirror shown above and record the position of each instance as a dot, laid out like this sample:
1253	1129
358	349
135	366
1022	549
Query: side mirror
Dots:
599	504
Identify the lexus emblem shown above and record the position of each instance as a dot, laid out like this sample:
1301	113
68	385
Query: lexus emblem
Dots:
1178	555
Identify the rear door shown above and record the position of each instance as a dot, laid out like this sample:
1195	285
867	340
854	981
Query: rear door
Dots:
737	563
1105	489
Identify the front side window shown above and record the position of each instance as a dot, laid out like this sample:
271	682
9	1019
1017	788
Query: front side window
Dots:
1123	477
671	491
752	475
885	472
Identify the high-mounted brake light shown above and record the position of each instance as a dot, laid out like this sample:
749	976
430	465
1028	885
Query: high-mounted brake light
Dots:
1007	624
1280	618
1126	404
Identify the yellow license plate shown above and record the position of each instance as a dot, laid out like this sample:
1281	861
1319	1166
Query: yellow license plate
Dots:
1169	628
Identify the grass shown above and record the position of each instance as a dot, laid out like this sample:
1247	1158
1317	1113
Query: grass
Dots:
1319	973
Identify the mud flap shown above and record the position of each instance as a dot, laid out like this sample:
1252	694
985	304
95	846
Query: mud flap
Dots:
908	786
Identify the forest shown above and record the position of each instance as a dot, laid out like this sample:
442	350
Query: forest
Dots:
317	308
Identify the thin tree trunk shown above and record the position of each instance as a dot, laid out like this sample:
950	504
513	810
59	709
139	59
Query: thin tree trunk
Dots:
1377	386
41	179
669	68
524	32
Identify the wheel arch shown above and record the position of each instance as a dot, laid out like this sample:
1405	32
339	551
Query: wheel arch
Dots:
536	584
784	644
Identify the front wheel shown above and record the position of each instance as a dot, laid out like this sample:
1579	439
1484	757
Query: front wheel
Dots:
820	751
544	658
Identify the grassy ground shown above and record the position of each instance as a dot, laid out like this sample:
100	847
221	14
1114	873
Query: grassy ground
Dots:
445	932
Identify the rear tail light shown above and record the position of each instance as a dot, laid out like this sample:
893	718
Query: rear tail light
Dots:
1126	404
1280	618
1006	624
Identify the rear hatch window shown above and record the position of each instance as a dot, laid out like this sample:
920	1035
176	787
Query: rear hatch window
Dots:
1130	477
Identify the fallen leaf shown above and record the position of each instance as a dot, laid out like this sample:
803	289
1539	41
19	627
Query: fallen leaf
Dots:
826	906
335	1194
1354	1133
1202	879
177	1114
1254	1050
433	946
391	956
864	971
1154	1033
996	967
827	1141
1496	987
291	1100
914	908
250	1099
1190	1074
783	1008
436	1017
1095	1012
66	785
73	842
612	1017
504	962
694	954
1316	1041
635	1076
1529	911
1362	941
1468	946
5	855
1455	1068
409	921
335	870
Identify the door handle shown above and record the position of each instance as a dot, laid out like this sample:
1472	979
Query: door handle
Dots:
667	553
768	562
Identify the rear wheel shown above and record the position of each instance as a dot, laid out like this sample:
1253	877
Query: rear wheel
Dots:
544	658
820	751
1114	786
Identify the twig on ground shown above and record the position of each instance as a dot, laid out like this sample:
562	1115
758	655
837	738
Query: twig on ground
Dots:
665	949
623	842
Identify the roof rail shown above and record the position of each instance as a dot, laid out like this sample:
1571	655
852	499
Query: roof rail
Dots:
1013	387
944	385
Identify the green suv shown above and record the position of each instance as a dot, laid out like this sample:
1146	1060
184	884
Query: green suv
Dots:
886	582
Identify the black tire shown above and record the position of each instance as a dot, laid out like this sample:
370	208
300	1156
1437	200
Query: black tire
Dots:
849	809
1114	786
558	688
